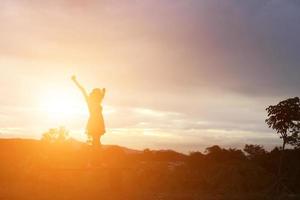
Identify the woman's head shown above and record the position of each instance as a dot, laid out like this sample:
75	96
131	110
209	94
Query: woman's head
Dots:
96	95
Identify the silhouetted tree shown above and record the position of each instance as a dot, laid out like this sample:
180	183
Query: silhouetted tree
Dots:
220	154
254	151
285	119
213	149
54	135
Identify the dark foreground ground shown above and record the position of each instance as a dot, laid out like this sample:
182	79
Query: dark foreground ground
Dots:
71	170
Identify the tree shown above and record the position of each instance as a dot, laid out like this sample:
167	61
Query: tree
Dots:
285	119
54	135
220	154
254	151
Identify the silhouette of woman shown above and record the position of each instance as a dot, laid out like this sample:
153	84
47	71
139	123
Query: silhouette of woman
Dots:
95	126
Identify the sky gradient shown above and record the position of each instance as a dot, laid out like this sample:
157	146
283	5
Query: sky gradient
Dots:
180	74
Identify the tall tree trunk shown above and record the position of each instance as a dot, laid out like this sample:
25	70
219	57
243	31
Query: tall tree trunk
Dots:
281	160
283	145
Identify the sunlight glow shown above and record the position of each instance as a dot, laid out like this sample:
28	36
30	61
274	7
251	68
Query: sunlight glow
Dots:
60	106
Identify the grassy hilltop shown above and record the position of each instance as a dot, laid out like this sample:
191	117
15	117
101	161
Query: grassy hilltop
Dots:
32	169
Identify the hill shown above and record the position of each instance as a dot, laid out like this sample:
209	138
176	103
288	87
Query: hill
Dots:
22	145
32	169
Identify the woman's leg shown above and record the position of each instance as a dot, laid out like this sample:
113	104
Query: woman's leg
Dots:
96	140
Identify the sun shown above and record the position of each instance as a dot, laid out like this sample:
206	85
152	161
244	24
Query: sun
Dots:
60	105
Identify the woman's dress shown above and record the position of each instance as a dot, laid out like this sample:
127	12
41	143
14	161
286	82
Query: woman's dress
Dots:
95	125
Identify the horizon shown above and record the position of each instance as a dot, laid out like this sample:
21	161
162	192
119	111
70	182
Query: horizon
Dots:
203	150
181	75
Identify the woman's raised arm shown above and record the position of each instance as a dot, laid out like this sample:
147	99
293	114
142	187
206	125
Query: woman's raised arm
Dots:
103	92
80	87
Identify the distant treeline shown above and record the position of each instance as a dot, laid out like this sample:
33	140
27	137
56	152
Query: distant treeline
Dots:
72	170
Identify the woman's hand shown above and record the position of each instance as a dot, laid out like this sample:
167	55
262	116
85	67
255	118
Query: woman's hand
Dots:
74	78
103	91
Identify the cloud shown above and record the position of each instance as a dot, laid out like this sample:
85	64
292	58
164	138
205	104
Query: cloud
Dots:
249	47
219	62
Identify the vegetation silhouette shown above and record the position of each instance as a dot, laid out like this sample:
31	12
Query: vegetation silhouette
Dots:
284	118
95	127
55	135
32	169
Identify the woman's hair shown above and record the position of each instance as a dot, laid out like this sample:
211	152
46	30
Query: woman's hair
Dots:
96	95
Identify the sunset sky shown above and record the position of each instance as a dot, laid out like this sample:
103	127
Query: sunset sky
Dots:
179	74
